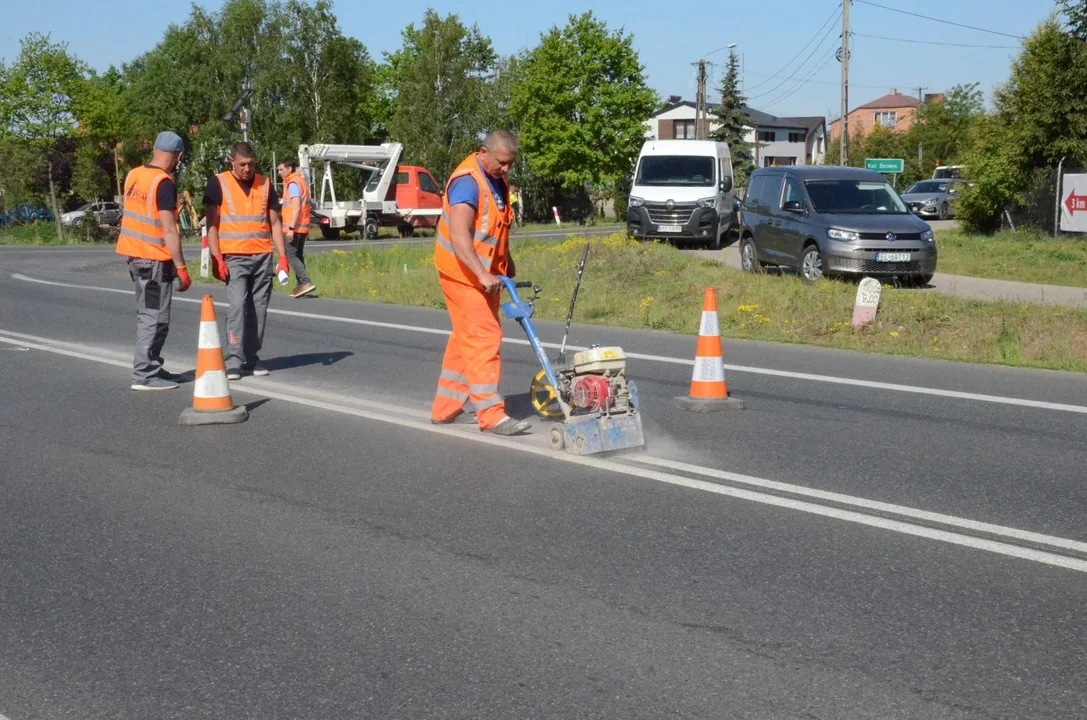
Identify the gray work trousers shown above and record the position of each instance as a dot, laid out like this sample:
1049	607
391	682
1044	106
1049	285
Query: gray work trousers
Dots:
247	291
154	292
296	256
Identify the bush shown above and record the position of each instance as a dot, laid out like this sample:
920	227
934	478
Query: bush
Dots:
997	173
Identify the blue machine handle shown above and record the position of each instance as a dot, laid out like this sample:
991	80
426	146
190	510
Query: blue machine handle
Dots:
521	311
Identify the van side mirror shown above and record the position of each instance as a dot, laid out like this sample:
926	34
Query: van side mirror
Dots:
794	206
726	184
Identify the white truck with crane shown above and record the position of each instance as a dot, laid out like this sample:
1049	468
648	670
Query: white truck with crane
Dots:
406	197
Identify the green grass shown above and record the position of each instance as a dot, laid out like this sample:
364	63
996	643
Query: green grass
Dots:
651	285
390	232
43	233
1020	256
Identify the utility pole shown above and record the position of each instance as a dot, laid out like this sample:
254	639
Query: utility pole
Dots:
844	143
700	103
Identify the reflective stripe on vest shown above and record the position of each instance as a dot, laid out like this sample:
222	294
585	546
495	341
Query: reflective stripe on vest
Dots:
490	233
244	228
301	223
142	235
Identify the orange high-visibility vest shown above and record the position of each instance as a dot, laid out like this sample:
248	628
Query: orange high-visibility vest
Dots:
243	219
298	224
142	234
490	233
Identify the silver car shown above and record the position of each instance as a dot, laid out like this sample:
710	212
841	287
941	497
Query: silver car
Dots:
933	198
105	213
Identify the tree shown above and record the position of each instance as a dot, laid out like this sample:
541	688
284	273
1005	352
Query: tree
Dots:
439	79
1040	117
998	174
582	104
944	129
327	76
1075	13
730	117
39	98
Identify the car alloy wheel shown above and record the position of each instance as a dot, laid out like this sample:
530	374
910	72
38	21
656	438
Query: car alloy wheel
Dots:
747	256
811	266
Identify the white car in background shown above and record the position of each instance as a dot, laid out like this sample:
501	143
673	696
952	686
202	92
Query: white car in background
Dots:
107	213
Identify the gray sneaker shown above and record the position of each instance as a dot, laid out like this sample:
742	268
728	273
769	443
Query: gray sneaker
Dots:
233	374
155	383
509	426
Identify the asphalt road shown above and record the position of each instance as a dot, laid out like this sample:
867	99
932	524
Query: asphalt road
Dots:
871	537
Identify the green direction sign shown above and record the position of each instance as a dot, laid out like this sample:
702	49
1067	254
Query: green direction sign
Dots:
884	165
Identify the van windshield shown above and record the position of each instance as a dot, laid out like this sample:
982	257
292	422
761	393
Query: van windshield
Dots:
854	197
692	170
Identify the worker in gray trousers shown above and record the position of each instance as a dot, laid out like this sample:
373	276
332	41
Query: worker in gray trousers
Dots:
243	227
150	240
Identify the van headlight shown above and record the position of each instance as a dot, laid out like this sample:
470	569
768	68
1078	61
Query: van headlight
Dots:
635	201
928	237
707	202
844	235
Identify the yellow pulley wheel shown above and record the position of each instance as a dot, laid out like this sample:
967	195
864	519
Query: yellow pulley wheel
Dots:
544	399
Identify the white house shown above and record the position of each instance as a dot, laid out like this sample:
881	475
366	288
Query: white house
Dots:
781	140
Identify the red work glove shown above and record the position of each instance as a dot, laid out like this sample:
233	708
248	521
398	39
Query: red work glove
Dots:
283	266
183	279
218	268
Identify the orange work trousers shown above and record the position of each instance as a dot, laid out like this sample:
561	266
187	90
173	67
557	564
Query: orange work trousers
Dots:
472	364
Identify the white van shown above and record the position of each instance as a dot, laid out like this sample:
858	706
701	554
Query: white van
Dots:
948	172
682	190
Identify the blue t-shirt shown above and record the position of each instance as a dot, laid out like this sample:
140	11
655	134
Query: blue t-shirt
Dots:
465	190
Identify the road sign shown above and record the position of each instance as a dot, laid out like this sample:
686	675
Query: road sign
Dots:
884	165
1074	203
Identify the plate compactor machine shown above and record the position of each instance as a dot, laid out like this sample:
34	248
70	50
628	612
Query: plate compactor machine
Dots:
588	392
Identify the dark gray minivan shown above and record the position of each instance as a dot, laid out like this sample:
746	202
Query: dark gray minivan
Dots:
827	220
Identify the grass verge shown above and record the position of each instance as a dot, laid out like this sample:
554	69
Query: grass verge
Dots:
45	233
651	285
1020	256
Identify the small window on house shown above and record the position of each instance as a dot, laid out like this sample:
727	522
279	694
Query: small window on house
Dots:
767	136
795	137
684	129
887	119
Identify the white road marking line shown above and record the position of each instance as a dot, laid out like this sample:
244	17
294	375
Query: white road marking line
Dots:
875	385
906	528
875	505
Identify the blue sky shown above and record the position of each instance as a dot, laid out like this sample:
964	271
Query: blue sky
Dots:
669	38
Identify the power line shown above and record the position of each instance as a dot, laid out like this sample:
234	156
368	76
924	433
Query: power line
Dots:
932	42
833	16
851	84
791	91
798	69
945	22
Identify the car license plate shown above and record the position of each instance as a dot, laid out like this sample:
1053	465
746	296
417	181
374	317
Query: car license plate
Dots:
670	228
892	257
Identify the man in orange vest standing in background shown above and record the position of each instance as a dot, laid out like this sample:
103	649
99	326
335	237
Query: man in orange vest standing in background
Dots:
242	215
471	249
296	217
152	243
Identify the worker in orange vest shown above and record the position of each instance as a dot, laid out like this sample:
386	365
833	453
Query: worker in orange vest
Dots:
471	249
296	218
150	240
243	224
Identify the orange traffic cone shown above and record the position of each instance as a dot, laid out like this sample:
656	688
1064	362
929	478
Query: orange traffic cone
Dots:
709	391
211	402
